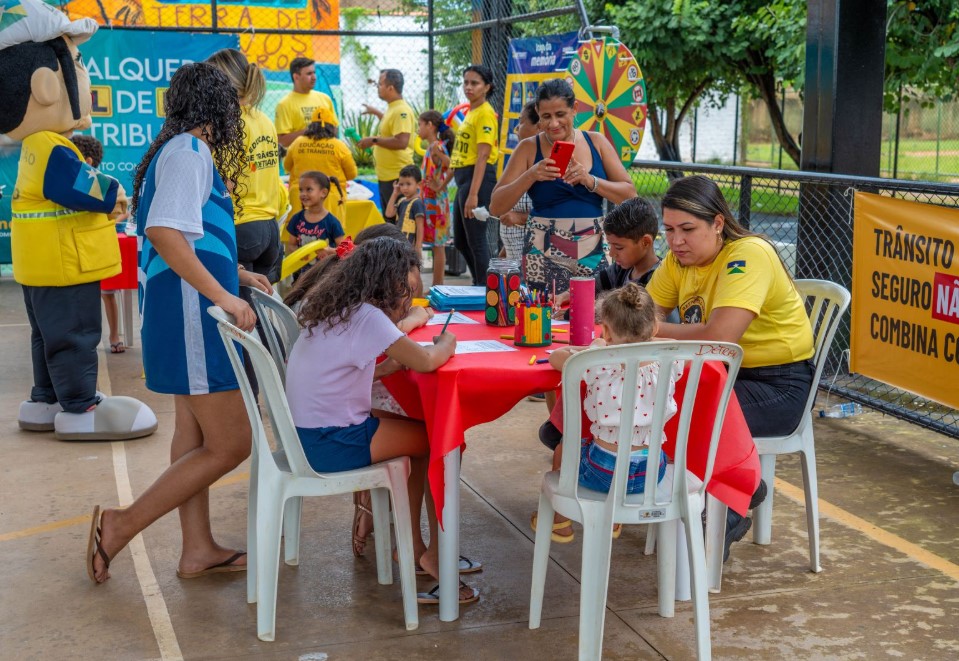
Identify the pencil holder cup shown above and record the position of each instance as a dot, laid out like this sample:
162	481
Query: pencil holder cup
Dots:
533	326
502	291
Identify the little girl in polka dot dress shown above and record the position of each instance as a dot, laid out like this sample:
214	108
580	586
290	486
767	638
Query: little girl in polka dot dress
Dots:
628	316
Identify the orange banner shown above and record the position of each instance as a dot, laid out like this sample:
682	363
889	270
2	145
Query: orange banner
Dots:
905	296
269	51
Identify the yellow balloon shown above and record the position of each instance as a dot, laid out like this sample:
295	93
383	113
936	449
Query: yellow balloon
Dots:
419	146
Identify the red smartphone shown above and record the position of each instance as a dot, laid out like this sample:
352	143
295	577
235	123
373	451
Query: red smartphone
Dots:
561	153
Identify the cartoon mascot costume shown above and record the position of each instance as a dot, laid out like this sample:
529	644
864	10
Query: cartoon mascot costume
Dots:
63	243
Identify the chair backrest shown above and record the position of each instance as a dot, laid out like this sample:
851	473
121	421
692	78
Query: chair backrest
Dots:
630	356
826	302
271	388
279	324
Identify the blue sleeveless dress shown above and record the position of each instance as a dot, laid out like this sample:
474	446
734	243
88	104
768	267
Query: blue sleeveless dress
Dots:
182	350
564	233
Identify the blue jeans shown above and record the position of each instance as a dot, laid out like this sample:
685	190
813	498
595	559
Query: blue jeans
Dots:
596	466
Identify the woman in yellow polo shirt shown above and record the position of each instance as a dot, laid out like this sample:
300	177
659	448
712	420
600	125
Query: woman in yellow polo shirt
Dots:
319	149
473	162
260	197
731	286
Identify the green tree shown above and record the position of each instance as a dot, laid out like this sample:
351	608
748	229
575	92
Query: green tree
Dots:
683	56
698	51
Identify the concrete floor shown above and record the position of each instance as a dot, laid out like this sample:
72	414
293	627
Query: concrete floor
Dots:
889	589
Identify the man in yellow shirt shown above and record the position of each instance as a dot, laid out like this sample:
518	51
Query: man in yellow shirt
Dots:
391	145
294	110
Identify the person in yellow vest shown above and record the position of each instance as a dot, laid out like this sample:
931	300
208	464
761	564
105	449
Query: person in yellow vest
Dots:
263	195
392	150
294	110
63	243
319	150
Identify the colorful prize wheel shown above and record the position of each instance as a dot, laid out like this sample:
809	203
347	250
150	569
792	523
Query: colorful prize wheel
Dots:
610	94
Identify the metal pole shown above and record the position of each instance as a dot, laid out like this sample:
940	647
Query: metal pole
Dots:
782	111
736	133
938	132
695	131
213	19
583	18
895	157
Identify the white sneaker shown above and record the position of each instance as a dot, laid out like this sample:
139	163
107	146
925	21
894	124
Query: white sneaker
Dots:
37	416
114	419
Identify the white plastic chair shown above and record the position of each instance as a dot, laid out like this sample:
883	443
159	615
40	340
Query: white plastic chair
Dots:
277	477
665	503
826	302
279	324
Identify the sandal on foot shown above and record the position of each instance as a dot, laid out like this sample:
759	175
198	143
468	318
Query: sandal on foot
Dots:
361	508
93	545
117	347
224	567
466	566
433	596
555	536
617	530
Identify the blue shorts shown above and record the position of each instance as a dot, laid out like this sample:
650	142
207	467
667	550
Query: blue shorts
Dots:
334	449
596	466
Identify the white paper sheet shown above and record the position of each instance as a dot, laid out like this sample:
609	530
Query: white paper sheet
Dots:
477	346
460	290
458	318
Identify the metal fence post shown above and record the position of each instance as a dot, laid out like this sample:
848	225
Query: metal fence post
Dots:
745	199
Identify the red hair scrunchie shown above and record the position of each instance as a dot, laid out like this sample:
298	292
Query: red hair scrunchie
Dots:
344	248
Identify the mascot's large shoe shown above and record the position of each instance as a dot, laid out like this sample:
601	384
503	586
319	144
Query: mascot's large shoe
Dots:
114	419
37	416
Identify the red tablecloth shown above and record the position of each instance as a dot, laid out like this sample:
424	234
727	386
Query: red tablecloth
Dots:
127	278
475	388
736	471
468	390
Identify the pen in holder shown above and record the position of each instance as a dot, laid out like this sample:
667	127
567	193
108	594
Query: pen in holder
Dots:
533	326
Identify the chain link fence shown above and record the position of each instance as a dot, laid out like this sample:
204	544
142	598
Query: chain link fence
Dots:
919	142
429	41
809	217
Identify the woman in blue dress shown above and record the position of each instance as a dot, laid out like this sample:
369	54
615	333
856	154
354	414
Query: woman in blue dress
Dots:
188	262
564	234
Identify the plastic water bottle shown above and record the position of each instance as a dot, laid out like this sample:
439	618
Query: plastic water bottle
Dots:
841	410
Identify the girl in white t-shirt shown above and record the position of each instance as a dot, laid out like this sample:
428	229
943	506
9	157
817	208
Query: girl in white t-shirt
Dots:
349	319
628	316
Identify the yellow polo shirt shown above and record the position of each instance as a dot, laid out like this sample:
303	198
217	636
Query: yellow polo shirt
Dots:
479	128
746	274
261	185
294	110
398	118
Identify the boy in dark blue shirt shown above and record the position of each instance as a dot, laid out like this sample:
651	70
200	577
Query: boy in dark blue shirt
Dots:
405	207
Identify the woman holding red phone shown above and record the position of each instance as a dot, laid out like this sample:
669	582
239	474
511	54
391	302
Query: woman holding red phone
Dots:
564	232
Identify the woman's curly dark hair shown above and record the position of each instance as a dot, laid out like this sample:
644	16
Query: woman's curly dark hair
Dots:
376	272
201	95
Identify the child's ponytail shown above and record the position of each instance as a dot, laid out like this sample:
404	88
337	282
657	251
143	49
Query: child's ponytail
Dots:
336	182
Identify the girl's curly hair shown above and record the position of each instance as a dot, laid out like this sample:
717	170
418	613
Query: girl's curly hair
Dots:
376	272
201	96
